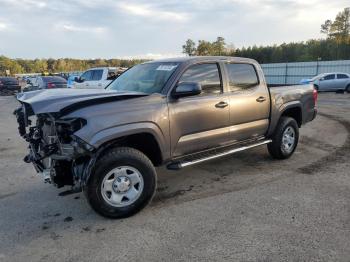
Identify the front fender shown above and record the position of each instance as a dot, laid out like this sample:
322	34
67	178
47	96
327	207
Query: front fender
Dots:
116	132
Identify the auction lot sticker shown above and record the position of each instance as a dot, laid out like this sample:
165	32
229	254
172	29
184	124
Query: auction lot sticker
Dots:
166	67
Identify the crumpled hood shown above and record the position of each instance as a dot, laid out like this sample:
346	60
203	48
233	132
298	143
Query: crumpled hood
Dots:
67	100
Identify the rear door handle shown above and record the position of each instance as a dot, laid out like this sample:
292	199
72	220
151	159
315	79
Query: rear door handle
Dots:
221	104
260	99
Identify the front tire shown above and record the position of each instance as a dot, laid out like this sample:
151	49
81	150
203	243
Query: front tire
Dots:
285	139
123	182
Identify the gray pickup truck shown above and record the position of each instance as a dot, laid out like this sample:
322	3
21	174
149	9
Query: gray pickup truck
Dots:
174	112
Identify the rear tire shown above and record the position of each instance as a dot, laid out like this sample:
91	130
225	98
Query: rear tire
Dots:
285	139
348	89
123	182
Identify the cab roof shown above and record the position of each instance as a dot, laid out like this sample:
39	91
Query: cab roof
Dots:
194	59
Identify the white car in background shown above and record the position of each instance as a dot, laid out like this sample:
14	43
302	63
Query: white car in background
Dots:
330	82
96	78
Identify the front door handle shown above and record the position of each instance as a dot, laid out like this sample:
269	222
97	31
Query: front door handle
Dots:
221	104
260	99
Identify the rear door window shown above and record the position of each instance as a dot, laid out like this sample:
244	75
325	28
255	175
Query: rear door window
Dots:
241	76
342	76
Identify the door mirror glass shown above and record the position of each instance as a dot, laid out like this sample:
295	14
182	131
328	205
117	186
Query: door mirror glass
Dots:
187	89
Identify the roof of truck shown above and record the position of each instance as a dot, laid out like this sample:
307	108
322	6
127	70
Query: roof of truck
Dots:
205	58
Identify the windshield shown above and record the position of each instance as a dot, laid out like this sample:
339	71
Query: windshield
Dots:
317	77
146	78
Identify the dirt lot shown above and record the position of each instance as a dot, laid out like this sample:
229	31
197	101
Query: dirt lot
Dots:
245	207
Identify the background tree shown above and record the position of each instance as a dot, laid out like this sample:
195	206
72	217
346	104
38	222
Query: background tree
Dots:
204	48
336	46
338	30
189	47
219	47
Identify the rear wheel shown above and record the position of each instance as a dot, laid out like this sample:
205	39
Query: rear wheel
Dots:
285	138
124	182
348	89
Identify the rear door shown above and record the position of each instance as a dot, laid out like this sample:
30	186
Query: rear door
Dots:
200	122
249	102
342	81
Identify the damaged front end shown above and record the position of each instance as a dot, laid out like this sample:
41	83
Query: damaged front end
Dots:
57	154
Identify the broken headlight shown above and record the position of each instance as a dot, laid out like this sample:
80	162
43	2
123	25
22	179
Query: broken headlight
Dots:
67	127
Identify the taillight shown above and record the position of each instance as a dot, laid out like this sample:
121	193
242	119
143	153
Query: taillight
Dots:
51	85
315	94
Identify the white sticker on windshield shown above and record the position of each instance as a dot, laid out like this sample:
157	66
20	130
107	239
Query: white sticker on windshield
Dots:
166	67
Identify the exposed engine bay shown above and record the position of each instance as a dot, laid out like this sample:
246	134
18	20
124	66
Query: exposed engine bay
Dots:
57	155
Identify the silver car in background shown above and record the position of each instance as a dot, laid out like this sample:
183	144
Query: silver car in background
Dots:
330	82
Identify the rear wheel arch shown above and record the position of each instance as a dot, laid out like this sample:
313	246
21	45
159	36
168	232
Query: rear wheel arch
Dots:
347	89
294	112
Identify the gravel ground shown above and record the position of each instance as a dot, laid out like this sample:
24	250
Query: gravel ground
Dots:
245	207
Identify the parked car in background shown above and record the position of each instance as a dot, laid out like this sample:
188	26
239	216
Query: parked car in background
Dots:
330	82
45	82
96	78
9	85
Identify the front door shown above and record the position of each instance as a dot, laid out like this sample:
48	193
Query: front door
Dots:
85	78
200	122
327	83
96	79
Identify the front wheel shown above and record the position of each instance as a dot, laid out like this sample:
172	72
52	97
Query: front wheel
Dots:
285	138
123	182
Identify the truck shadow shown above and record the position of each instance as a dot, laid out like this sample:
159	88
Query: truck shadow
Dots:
255	167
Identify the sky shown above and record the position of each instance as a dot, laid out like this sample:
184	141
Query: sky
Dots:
152	28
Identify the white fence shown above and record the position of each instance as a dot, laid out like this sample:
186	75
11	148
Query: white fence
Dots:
292	73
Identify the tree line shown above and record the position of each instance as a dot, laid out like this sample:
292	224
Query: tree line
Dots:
18	66
335	46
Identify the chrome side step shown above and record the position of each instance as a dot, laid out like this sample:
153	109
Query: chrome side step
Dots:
180	164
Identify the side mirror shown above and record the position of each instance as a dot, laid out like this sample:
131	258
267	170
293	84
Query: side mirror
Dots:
321	79
78	79
187	89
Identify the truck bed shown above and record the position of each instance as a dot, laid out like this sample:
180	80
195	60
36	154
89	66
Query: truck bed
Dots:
284	96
